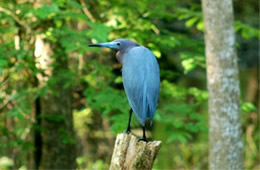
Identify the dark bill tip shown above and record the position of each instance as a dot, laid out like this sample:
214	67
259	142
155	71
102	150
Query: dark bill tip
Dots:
94	45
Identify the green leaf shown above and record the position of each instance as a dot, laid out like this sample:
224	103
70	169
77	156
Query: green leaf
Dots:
188	64
248	107
189	23
200	25
157	53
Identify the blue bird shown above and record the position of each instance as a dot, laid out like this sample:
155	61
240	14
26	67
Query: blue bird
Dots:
141	78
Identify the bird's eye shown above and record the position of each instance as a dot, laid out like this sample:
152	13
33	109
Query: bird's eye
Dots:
118	44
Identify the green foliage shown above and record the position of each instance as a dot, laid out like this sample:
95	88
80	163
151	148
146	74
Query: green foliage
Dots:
247	31
190	62
179	116
248	107
192	16
83	163
48	11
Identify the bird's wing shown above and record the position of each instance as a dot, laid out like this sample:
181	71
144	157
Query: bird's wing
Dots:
141	81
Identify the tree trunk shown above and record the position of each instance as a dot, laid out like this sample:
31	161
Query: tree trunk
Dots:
58	142
59	151
130	154
226	147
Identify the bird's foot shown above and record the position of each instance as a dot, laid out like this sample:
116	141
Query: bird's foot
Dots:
128	131
142	139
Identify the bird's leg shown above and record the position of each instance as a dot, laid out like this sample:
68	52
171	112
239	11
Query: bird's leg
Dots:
128	130
144	137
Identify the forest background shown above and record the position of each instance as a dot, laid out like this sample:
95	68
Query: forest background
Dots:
61	99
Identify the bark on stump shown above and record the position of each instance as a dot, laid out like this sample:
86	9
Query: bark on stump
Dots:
130	154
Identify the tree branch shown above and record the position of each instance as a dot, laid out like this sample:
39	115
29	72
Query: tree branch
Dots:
19	21
86	11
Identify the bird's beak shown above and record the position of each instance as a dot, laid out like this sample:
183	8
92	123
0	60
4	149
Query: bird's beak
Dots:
106	45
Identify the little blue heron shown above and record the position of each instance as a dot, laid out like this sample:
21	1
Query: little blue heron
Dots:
141	78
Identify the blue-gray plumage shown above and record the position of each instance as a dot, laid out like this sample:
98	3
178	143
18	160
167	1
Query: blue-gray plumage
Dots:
141	78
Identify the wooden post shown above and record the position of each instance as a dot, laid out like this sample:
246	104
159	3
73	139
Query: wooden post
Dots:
130	154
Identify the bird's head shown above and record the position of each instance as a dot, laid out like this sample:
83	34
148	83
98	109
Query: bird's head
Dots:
118	44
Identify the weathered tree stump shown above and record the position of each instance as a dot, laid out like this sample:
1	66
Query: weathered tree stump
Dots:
130	154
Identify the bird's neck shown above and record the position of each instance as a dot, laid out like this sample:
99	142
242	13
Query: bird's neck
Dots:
120	56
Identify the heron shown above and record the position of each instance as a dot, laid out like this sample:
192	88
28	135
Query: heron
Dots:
141	79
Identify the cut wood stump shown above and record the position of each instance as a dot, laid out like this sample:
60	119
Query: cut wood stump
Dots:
130	154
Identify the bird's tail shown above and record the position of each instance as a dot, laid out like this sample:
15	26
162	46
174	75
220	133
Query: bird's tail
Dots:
150	114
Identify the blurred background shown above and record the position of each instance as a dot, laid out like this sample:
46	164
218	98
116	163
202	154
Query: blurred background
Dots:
62	101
